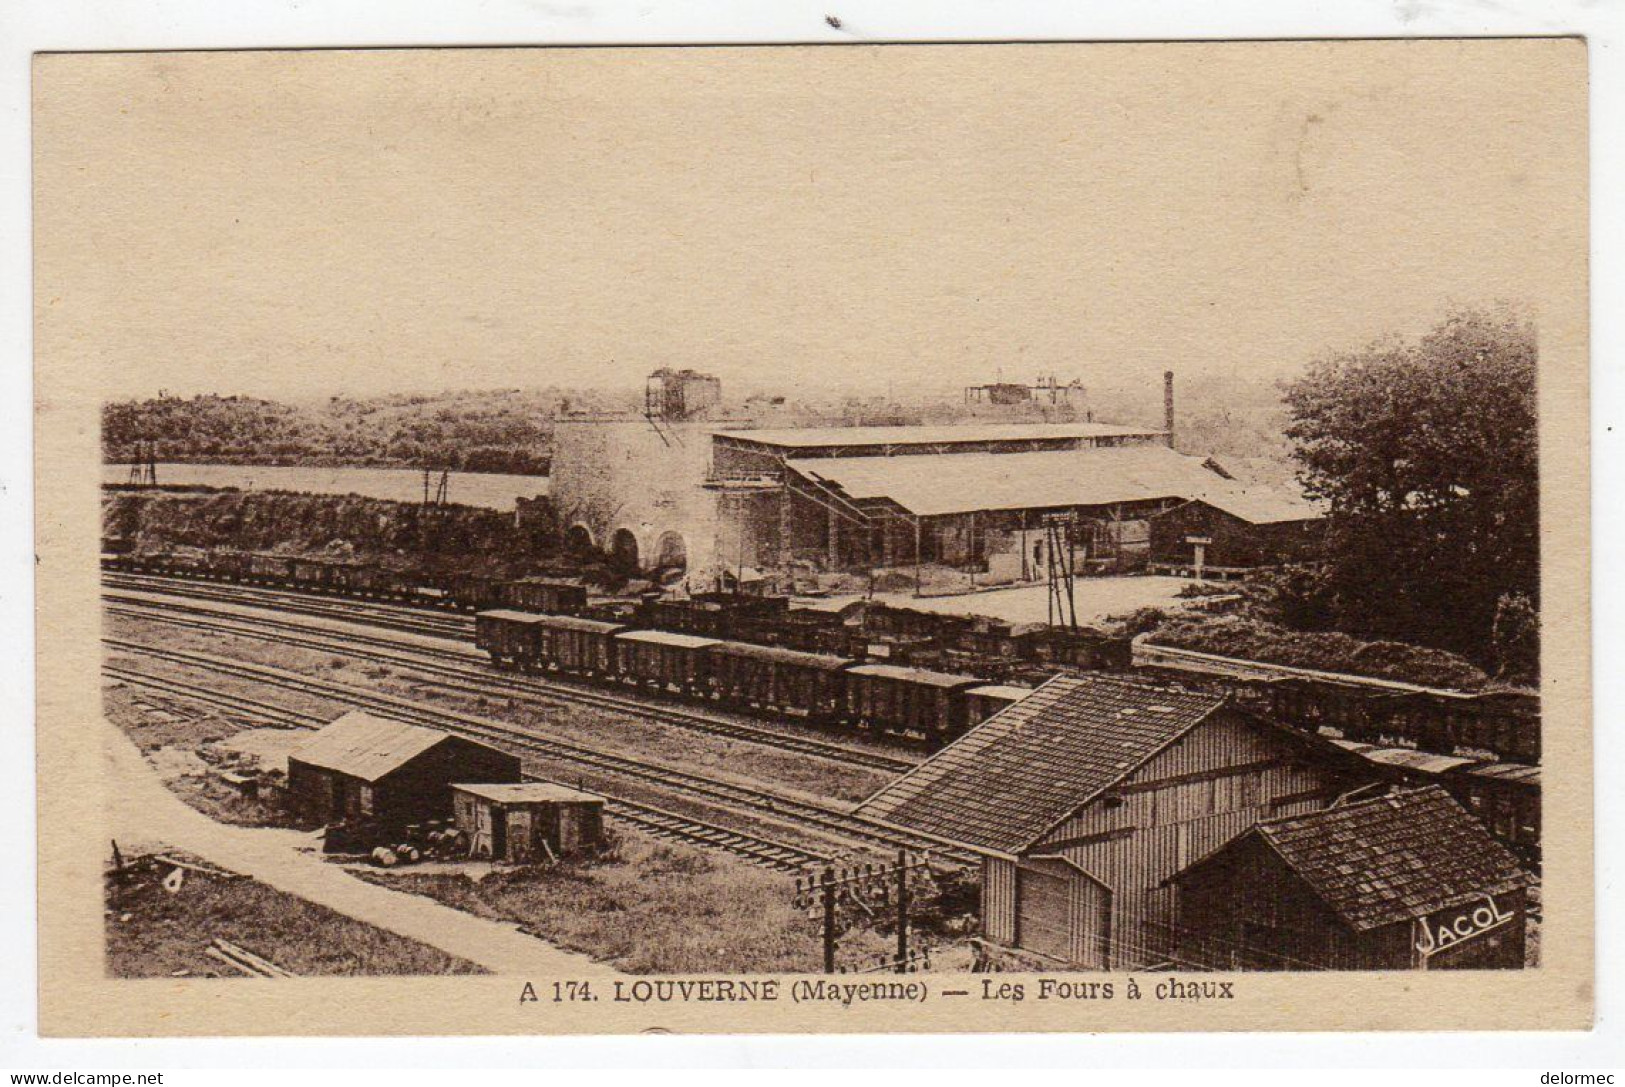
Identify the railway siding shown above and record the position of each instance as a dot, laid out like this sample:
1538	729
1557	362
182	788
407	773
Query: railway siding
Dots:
839	825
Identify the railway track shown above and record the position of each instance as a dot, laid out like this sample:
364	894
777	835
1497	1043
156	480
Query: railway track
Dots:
841	826
463	671
416	620
660	822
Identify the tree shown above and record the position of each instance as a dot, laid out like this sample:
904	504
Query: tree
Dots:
1426	455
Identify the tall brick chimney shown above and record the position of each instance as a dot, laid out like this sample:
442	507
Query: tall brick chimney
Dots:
1168	405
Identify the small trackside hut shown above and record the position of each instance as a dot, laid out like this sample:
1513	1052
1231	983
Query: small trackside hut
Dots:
527	822
387	774
1085	796
1408	880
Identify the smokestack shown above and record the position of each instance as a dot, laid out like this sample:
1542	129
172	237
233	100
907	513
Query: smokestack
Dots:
1168	405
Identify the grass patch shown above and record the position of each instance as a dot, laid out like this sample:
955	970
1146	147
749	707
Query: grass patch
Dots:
155	721
152	933
653	907
224	803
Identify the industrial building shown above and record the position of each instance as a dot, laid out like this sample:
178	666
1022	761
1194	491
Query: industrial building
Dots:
366	769
680	489
1085	797
1408	880
1229	532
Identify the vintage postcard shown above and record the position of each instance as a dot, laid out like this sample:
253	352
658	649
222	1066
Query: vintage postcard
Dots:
1006	537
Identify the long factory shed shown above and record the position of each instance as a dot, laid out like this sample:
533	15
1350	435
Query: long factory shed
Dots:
980	496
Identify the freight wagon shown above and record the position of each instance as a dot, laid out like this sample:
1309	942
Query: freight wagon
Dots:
983	702
556	596
779	680
913	702
578	647
1505	796
907	702
1505	724
661	660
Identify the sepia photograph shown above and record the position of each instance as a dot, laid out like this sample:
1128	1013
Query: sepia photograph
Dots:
1009	536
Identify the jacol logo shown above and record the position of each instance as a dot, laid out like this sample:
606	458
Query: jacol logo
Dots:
1464	926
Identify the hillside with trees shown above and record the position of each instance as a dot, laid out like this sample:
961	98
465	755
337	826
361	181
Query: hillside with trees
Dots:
490	431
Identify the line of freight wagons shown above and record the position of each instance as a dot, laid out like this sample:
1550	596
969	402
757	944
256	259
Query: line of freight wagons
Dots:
824	689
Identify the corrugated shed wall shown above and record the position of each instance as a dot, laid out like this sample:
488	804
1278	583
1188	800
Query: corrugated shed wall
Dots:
999	900
1161	830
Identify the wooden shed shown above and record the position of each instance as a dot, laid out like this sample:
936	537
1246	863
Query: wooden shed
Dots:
366	769
1085	796
1408	880
1224	534
524	823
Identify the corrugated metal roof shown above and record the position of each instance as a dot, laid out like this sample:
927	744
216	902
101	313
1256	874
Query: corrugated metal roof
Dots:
1507	771
1394	857
812	437
508	616
933	486
777	654
1259	505
665	637
1426	761
530	792
1009	780
1001	690
914	675
367	747
570	622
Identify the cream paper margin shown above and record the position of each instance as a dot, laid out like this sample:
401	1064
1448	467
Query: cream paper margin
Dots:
76	999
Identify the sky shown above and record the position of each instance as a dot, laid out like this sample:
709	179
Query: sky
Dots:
349	223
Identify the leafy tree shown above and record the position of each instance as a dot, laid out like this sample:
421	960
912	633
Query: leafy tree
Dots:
1426	454
1516	639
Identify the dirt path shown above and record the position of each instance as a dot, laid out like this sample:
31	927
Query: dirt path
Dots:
144	812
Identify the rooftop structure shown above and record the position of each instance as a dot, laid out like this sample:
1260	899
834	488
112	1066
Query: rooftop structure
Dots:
1395	857
363	768
903	440
1016	776
1400	881
362	746
1017	481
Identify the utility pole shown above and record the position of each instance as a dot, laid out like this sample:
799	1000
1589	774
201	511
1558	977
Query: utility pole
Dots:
865	887
1063	606
144	469
829	920
902	911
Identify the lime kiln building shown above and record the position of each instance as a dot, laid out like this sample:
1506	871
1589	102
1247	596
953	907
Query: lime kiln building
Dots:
681	487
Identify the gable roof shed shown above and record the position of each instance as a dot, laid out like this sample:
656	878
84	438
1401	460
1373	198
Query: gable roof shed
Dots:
1007	782
1392	858
362	746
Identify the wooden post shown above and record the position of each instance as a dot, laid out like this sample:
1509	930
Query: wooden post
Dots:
785	521
829	920
919	588
1026	563
902	911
